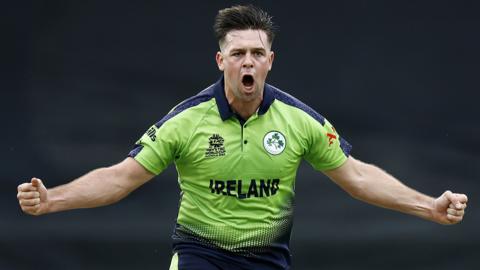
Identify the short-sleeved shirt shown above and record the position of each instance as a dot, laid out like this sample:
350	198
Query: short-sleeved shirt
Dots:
237	178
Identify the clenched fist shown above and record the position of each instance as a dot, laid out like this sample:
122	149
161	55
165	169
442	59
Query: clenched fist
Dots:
32	197
449	208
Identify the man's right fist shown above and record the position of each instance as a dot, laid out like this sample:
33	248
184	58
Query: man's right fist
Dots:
32	197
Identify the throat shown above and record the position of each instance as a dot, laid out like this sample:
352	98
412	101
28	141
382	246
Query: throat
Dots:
245	109
242	106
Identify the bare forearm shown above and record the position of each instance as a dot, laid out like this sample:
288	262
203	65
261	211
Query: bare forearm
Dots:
379	188
96	188
373	185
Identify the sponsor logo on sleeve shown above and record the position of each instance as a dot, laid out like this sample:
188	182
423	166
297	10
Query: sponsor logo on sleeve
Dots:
331	138
152	134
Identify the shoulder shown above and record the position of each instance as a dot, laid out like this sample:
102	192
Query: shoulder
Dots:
286	100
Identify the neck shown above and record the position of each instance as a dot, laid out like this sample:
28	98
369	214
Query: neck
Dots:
243	108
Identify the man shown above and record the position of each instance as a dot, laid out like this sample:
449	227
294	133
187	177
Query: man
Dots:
236	146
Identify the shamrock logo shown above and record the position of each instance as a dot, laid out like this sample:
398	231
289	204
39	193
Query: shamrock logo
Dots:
274	142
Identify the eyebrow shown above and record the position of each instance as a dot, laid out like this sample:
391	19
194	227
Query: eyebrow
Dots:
246	49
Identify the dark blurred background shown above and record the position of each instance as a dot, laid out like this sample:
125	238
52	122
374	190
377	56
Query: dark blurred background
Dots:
82	80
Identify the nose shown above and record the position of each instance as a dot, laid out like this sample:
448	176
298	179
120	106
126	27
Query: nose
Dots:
248	62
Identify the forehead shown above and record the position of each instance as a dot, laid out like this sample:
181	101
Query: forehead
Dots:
237	39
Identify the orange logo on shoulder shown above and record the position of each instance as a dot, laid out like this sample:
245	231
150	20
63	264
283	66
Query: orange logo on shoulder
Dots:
331	138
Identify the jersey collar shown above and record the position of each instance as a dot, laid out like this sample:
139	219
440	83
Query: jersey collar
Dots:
224	108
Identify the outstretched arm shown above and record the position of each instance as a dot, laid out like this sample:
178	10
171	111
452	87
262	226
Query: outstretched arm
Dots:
369	183
97	188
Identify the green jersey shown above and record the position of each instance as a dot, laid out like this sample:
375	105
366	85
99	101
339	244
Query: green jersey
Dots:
237	178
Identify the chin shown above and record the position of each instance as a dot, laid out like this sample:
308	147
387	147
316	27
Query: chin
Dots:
251	96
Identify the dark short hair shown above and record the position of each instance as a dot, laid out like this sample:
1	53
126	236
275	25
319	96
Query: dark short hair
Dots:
243	18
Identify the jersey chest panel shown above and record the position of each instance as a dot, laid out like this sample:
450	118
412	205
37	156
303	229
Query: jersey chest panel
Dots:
226	158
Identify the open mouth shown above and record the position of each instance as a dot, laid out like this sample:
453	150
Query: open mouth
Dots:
248	80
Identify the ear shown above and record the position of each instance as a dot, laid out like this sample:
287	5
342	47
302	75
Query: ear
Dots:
219	59
270	60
